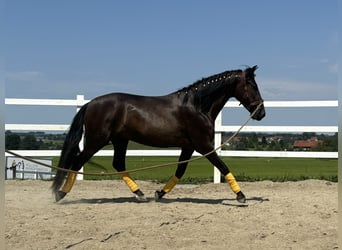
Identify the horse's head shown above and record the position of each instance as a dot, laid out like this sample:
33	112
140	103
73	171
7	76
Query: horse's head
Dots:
247	93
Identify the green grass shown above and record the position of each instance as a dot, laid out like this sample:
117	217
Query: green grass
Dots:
201	171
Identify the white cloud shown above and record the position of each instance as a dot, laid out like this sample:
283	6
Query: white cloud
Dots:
334	68
277	89
24	75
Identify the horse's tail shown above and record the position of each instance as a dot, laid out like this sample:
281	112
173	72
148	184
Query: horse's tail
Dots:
70	148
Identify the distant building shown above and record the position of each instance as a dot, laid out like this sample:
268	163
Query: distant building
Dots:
308	145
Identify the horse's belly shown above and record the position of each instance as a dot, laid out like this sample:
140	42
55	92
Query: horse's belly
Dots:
159	138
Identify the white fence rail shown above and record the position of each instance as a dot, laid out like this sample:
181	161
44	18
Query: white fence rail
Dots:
219	128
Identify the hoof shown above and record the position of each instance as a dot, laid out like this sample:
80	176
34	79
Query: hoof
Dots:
140	196
158	195
240	197
59	195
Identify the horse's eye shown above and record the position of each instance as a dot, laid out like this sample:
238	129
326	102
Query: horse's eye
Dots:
253	84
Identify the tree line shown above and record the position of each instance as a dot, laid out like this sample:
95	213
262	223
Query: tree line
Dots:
281	142
244	141
33	141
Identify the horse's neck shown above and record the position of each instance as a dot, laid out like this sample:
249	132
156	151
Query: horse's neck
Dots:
213	105
217	106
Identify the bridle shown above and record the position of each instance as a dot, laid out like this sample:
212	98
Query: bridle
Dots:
245	89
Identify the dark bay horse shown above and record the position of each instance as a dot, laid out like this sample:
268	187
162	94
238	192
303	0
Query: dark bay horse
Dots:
184	119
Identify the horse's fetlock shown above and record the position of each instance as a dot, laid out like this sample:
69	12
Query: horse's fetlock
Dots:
159	194
59	195
240	197
139	195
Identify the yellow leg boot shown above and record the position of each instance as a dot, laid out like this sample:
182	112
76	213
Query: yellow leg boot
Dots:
67	186
170	184
167	188
133	187
232	183
235	187
69	182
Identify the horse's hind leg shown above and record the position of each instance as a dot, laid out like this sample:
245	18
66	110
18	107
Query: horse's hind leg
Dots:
120	148
81	159
70	180
185	155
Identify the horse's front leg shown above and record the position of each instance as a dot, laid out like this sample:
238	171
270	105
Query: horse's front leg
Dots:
217	162
120	148
132	185
185	155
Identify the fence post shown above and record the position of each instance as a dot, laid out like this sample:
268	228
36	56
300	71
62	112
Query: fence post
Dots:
14	173
79	104
217	143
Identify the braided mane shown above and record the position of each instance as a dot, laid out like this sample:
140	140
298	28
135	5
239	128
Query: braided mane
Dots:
210	80
206	90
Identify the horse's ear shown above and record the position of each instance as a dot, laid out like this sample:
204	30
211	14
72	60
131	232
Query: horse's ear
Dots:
250	71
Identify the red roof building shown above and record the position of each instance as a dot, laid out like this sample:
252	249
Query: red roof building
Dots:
306	145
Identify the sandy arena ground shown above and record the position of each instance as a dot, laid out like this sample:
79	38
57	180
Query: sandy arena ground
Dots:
104	215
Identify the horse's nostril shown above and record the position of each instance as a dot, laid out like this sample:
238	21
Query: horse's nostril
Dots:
259	114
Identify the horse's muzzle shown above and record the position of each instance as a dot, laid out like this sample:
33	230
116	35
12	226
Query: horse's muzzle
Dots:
260	113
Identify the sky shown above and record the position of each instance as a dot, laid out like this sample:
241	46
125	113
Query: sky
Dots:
59	49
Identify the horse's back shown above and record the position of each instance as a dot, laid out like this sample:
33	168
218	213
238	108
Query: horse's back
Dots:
151	120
